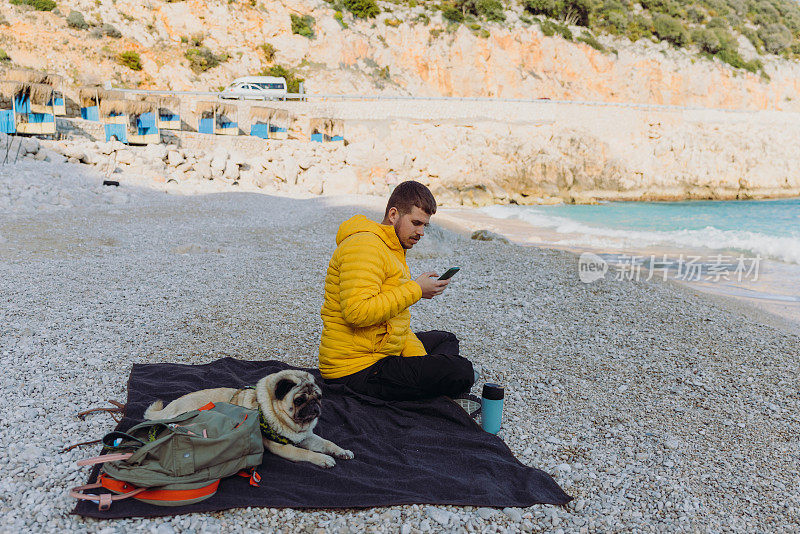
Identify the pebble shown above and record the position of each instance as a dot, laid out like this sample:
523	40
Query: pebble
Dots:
513	514
440	516
486	513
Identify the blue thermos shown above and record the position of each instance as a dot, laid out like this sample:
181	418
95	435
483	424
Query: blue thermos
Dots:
492	408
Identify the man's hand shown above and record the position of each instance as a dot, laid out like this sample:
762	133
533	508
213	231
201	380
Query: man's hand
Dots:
430	284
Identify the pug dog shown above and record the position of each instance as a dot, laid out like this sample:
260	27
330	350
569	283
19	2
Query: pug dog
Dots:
289	404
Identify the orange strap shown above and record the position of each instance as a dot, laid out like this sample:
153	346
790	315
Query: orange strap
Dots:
252	474
118	486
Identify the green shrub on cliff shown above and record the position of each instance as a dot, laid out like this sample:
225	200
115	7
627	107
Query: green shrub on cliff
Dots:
491	10
545	8
570	11
452	13
38	5
591	40
75	20
713	26
4	56
670	29
130	59
457	11
340	19
303	25
638	27
550	28
706	40
362	9
269	52
776	38
202	59
111	31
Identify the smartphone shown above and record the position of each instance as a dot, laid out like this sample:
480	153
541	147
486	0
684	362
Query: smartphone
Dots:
450	272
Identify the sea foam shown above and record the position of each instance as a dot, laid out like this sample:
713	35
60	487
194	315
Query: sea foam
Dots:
578	234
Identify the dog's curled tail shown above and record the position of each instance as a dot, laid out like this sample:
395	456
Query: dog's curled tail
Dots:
154	411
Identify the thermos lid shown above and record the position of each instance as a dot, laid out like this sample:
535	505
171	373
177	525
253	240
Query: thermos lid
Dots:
492	392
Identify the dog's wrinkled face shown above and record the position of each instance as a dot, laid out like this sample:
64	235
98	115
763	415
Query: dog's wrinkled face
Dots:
299	396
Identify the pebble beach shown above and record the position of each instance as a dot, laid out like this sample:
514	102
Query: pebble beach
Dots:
655	407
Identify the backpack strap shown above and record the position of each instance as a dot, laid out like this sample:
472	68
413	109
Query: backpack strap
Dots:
105	458
103	500
118	408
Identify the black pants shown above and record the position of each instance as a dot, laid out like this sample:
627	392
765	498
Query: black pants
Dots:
441	372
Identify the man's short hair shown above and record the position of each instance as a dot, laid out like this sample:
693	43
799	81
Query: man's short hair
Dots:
409	194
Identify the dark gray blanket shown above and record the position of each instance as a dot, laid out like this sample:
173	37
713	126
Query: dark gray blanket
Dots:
417	452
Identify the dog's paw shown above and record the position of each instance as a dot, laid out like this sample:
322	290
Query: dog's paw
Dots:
344	454
323	460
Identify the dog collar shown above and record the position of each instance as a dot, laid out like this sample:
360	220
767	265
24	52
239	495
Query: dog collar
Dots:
266	430
269	433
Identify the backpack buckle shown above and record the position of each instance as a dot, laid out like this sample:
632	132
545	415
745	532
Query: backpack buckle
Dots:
105	501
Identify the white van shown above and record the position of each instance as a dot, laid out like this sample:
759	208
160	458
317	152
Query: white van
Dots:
256	88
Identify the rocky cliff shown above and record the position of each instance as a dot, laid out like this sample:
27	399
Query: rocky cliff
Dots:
405	50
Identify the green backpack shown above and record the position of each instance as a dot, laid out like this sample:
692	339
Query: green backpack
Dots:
172	462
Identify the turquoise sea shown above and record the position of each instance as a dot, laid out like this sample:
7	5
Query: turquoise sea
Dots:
766	228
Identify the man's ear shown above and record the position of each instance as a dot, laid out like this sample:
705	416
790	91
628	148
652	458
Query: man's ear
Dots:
283	387
392	215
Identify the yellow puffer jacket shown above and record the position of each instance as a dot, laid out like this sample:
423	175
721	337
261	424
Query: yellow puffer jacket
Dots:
368	290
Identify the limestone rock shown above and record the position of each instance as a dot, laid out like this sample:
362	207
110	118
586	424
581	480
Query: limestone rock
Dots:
174	158
155	151
231	171
219	160
315	188
125	156
203	170
29	145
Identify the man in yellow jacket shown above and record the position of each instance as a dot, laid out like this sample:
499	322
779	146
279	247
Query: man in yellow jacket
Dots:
367	342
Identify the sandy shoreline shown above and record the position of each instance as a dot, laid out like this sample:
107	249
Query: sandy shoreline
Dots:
658	409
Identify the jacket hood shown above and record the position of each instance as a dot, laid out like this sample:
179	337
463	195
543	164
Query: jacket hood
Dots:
359	223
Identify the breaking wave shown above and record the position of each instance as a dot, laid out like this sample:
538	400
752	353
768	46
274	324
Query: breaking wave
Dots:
782	248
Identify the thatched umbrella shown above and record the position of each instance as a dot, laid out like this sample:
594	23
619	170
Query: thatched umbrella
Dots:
132	108
205	108
337	127
317	125
327	126
32	76
113	107
10	89
225	110
170	102
92	95
41	93
262	113
281	118
38	93
125	107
